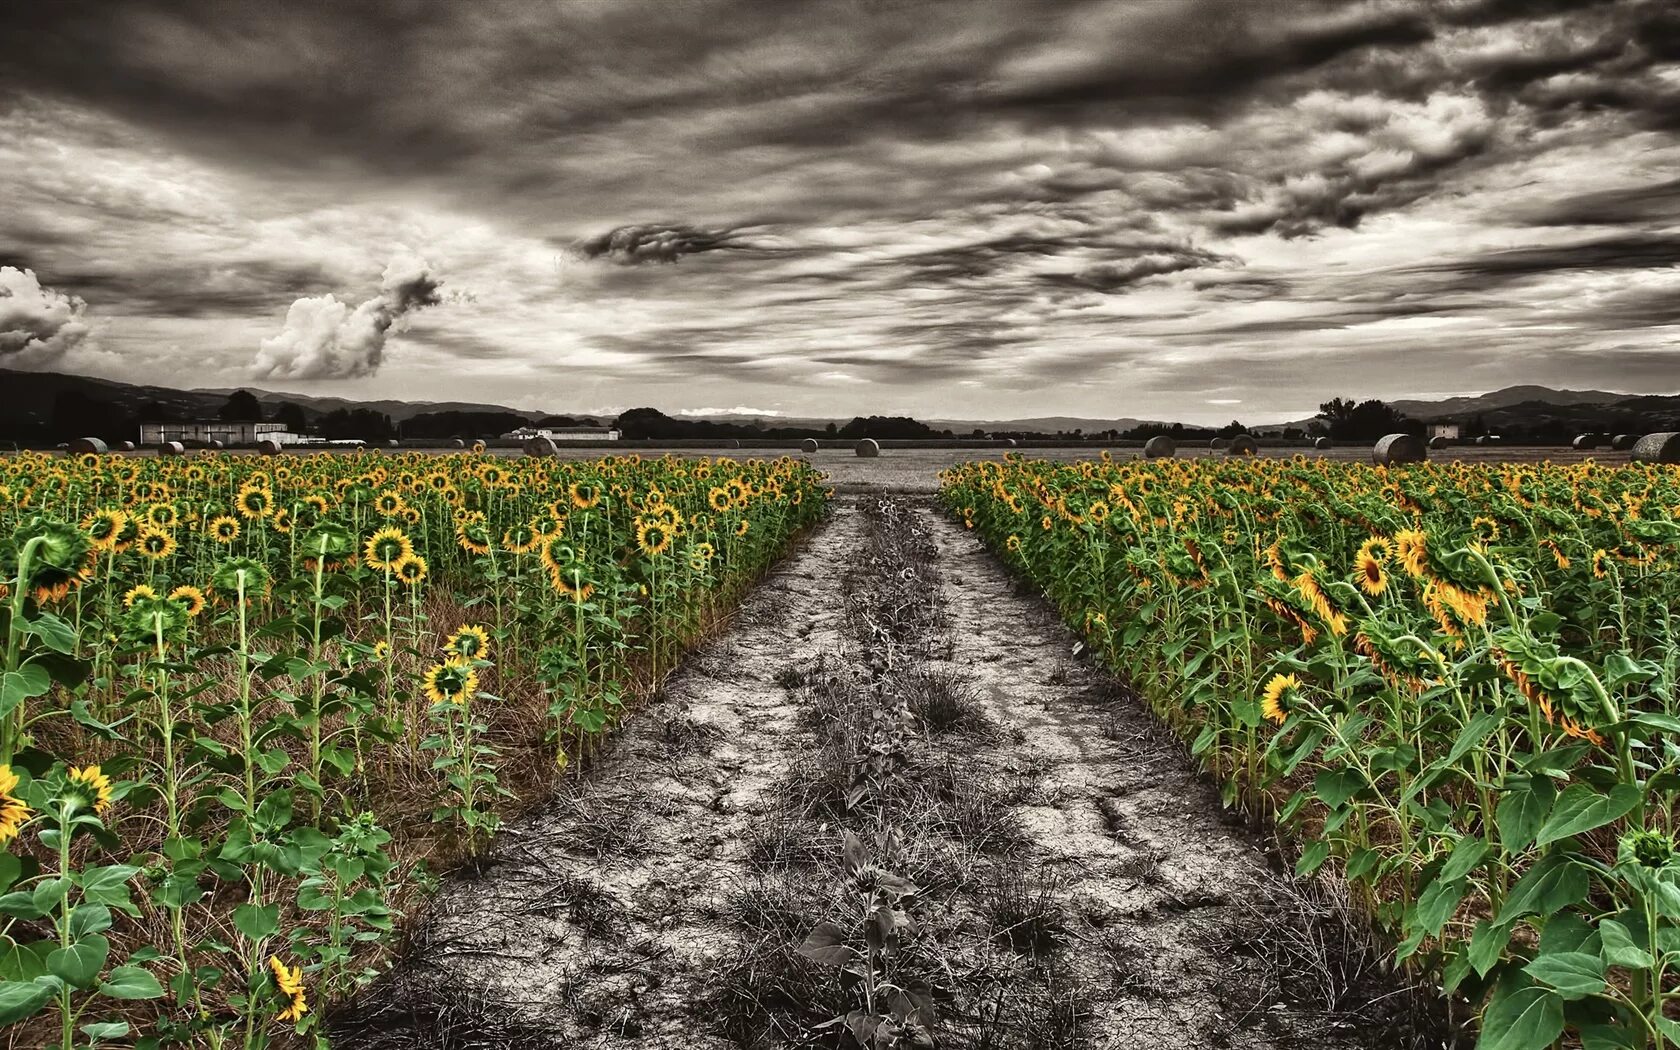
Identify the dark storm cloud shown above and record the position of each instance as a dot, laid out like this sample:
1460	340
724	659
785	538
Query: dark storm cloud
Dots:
658	242
918	193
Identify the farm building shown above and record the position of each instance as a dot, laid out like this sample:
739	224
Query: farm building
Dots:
228	432
563	434
1444	430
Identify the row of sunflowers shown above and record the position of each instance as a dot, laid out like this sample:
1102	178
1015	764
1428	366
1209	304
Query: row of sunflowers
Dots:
1455	685
245	702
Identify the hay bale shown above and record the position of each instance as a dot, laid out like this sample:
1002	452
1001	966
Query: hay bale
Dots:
392	443
1623	442
269	447
1242	445
541	446
1399	448
808	445
84	446
1438	441
1159	447
125	446
457	443
1584	441
1488	439
1011	442
868	448
1323	444
1216	445
1657	448
214	444
172	448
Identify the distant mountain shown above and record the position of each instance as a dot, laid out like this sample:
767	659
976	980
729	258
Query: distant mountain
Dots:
1508	397
29	397
1037	425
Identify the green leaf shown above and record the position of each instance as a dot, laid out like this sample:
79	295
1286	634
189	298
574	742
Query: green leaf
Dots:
1437	903
130	982
1526	1019
89	918
1479	729
1580	809
1487	944
23	999
1555	882
1312	858
1520	811
53	631
1620	949
79	964
1575	975
257	922
1336	786
1465	856
97	1030
17	686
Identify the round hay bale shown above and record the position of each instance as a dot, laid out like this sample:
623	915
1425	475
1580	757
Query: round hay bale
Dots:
1488	439
1216	444
868	448
1399	448
541	446
214	444
1438	441
393	443
1623	442
268	447
1011	442
125	446
808	445
1159	447
1657	448
1584	441
457	443
1242	445
1323	444
172	448
83	446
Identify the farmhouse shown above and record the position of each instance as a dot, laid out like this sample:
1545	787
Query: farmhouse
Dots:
1444	430
228	432
563	434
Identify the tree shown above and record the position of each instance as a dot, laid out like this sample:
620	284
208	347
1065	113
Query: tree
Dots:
832	428
242	406
292	416
1365	421
1232	429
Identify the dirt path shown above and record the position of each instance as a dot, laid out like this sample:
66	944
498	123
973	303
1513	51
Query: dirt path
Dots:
1054	872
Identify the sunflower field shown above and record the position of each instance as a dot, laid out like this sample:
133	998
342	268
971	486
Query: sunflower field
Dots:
247	704
1454	686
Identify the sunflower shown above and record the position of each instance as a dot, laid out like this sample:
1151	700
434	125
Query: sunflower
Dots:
1279	697
742	526
1411	546
719	499
281	521
163	515
1600	558
652	537
63	557
382	650
155	543
288	981
137	592
1013	543
1561	558
473	534
705	551
585	494
223	528
105	528
13	813
1486	529
254	501
91	786
1368	569
470	642
409	569
386	547
519	538
451	681
190	596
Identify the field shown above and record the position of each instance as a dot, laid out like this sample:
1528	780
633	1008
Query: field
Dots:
1455	685
249	706
945	748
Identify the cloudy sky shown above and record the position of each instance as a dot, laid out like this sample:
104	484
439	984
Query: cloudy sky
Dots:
982	208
